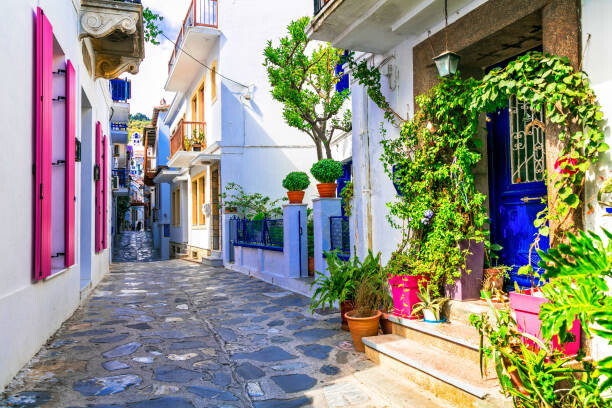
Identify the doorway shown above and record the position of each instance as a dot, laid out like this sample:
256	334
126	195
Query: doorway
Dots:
87	192
517	172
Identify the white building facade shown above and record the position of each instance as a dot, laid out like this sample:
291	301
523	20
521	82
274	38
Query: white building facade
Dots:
56	178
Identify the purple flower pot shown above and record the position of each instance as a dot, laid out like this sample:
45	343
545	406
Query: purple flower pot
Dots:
468	286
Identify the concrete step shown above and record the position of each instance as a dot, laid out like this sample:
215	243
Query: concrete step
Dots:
396	391
454	338
446	376
212	261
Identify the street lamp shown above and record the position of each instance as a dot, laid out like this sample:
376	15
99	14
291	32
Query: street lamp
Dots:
447	63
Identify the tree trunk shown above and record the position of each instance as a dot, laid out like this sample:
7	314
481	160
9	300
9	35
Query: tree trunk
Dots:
561	36
328	152
319	149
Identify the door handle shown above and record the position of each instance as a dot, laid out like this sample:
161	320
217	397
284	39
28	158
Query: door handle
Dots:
528	199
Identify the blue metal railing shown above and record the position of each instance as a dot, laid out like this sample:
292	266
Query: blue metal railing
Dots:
120	173
119	126
340	237
121	90
268	234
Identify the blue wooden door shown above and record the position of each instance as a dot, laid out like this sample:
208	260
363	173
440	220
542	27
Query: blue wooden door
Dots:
517	167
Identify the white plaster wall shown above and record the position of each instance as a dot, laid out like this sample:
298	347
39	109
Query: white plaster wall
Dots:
31	312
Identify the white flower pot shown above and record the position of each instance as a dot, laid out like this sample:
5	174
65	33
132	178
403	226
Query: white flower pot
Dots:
429	315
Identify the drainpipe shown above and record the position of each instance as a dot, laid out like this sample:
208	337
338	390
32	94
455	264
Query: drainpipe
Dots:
366	189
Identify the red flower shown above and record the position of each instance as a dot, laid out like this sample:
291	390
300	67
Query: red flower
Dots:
569	161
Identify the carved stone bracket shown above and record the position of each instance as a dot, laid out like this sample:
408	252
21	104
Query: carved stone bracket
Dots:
112	32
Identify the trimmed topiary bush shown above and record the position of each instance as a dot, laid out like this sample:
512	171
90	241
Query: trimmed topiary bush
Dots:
296	181
326	170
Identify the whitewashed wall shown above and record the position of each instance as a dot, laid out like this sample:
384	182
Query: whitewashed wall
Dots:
31	312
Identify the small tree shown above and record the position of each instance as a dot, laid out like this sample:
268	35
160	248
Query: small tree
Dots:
305	82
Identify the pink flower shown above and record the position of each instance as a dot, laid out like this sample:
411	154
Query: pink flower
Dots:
569	161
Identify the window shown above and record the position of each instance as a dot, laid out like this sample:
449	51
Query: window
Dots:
198	199
176	207
213	82
201	102
194	109
527	142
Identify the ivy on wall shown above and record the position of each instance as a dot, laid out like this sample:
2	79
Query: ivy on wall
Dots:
450	110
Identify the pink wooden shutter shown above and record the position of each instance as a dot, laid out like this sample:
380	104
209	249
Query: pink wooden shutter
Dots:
104	190
98	188
70	152
42	147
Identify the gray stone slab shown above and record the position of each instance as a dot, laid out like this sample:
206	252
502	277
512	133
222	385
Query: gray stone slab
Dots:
266	354
315	334
249	372
106	385
284	403
169	373
162	402
294	382
212	393
123	350
110	339
114	365
318	351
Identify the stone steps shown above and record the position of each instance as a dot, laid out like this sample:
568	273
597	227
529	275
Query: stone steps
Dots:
446	375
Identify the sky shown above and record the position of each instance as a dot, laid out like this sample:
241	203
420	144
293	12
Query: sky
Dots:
148	84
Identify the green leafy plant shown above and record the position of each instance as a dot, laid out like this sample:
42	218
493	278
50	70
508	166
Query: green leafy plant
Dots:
429	303
347	197
343	276
303	79
533	376
432	162
326	171
579	288
368	296
296	181
151	25
253	206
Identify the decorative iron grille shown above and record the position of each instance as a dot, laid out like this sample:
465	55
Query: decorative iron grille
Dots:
527	142
340	234
258	233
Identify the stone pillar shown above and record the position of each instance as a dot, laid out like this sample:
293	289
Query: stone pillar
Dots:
295	247
164	244
322	209
560	36
226	236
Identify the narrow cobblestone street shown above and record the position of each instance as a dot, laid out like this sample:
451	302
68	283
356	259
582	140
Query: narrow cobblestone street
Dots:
178	334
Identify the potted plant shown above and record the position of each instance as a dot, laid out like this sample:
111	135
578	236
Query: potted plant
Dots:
493	274
326	172
467	284
386	309
405	284
338	285
364	319
295	183
430	307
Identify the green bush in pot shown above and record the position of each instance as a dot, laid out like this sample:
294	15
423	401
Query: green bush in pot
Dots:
296	181
326	171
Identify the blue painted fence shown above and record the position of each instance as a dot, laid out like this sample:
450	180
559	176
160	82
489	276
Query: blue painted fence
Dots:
266	233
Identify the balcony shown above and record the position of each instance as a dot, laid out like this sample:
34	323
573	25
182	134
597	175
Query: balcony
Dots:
112	36
150	170
119	182
197	37
186	143
373	25
119	131
120	89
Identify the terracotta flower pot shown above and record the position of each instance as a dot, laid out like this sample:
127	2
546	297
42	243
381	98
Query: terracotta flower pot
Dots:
386	325
345	307
361	327
327	190
295	197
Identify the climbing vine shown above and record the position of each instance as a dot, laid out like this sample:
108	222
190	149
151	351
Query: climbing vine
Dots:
450	111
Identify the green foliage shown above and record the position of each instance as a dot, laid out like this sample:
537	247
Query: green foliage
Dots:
368	296
151	25
296	181
254	206
579	274
341	284
428	302
347	198
550	82
139	117
123	205
432	162
534	377
304	82
326	171
491	250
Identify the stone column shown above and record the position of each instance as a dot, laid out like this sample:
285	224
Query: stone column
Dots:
323	208
226	237
164	247
560	36
295	246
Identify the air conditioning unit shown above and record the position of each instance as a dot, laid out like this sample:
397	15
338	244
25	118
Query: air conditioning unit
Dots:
115	181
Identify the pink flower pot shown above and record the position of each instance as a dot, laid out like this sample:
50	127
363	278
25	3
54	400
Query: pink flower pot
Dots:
527	307
404	289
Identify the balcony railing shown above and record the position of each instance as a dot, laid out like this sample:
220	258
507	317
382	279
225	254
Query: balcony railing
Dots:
119	126
121	90
188	136
319	4
201	13
120	174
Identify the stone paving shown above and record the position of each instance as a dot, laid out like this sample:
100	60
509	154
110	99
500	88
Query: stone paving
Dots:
179	334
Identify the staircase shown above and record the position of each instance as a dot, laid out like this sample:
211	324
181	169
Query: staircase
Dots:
441	359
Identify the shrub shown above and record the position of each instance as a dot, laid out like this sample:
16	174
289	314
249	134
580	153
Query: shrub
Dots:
326	170
296	181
